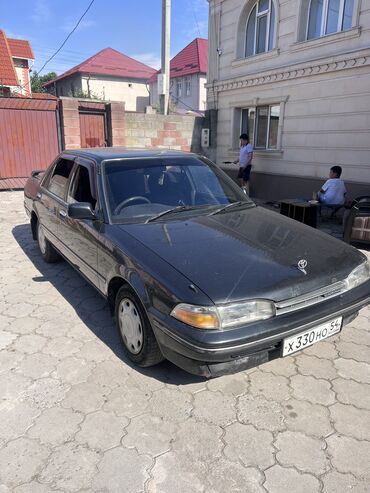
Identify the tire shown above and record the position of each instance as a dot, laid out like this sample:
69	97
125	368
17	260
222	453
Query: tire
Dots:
48	252
138	339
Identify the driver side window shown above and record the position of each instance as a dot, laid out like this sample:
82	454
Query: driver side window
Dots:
80	187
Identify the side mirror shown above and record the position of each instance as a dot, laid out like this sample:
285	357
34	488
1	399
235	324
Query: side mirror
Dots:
81	210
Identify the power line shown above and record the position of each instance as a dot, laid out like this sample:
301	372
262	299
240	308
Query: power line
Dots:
69	35
195	17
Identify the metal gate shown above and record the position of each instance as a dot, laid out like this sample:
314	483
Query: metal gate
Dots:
28	138
93	129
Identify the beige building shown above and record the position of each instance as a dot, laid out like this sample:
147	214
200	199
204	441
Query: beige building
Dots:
295	75
109	75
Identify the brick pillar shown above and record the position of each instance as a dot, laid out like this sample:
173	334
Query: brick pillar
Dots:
116	123
70	123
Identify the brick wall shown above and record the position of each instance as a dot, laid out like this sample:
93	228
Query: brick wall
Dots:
137	130
179	132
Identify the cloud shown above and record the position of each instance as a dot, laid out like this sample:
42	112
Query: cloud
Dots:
151	59
41	12
84	24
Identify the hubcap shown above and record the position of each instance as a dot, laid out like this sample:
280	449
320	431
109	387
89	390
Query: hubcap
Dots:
130	326
41	238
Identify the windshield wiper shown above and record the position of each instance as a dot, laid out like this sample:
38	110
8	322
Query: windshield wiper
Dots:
173	210
230	206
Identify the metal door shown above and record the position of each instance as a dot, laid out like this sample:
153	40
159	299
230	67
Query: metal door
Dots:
28	138
92	129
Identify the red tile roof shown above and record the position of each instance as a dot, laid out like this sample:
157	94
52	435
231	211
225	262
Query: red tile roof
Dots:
110	62
191	60
8	75
20	48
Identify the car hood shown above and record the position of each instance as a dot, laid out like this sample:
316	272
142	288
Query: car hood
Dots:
249	253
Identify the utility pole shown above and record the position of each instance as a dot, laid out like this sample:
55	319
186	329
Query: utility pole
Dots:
165	69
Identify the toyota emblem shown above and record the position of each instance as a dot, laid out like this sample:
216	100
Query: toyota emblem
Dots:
302	264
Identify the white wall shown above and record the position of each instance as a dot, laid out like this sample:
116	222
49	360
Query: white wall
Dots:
132	92
323	86
196	100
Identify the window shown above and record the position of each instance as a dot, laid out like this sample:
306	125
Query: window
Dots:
57	182
188	86
328	16
80	188
259	35
262	125
179	88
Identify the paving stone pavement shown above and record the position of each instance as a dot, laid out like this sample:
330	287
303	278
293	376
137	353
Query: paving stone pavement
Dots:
75	416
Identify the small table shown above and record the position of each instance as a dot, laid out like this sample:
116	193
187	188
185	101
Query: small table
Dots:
300	210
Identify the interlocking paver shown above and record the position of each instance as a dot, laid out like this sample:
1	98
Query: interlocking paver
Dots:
122	470
261	413
150	435
20	460
350	455
214	407
351	392
281	480
351	421
305	453
312	389
56	426
349	368
250	446
312	419
76	416
71	467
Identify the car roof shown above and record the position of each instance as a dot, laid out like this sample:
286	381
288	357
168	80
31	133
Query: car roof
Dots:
101	153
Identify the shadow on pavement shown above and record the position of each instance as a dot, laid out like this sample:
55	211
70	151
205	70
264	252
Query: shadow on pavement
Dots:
83	297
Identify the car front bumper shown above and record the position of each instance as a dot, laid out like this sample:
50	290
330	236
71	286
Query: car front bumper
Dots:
215	353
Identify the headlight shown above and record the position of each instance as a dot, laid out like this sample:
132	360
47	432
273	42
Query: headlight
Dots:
358	276
224	316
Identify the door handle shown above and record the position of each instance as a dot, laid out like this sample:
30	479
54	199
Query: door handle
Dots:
62	213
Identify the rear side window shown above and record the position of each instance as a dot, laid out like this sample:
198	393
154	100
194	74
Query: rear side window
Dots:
57	182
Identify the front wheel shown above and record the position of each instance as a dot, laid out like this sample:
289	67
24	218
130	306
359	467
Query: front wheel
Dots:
133	325
48	252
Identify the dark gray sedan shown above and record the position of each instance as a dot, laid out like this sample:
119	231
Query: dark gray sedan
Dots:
193	270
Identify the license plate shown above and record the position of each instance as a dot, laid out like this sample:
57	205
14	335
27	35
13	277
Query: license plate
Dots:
309	337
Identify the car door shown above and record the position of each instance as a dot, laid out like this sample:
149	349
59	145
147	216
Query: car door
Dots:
51	197
80	236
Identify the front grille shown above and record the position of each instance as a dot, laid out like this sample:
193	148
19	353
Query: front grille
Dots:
308	299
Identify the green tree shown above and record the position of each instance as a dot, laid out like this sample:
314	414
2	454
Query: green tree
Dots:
38	80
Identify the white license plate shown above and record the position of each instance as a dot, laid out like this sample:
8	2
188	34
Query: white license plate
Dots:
309	337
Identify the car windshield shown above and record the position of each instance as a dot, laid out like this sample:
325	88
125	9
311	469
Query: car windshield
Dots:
147	189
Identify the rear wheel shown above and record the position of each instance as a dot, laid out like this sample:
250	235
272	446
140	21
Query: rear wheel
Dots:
133	325
48	252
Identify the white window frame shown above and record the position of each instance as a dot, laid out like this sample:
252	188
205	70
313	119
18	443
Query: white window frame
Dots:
268	26
255	108
188	86
179	88
324	18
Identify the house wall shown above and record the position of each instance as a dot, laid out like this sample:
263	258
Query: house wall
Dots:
195	101
23	74
65	87
133	93
321	85
202	104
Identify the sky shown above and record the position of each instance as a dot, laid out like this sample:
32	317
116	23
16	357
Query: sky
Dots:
132	27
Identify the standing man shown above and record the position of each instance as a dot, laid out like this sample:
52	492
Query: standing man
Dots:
245	162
